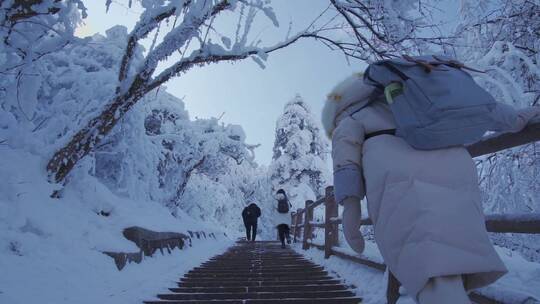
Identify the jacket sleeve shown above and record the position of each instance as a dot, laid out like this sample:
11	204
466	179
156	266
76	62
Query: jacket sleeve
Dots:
509	119
347	158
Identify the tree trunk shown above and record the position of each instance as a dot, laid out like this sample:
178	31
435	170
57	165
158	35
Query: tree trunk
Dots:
82	143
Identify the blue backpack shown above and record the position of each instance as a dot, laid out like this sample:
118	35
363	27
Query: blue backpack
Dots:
283	206
435	102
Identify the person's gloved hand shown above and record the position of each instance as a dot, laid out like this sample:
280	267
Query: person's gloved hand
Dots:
529	115
351	224
513	120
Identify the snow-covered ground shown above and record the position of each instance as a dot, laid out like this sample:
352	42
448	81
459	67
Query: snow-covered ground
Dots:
521	283
50	249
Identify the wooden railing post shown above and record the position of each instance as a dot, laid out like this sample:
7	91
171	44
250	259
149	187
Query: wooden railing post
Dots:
308	217
299	222
392	289
331	233
293	223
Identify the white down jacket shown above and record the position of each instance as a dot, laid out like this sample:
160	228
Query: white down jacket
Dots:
425	205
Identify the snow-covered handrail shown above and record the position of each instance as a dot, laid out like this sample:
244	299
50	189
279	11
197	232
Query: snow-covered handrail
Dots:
499	142
500	223
513	223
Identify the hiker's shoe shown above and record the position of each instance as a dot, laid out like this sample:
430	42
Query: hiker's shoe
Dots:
283	246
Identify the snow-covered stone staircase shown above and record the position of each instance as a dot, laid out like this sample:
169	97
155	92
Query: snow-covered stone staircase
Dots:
260	272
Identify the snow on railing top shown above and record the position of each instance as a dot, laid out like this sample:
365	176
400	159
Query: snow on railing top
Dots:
498	142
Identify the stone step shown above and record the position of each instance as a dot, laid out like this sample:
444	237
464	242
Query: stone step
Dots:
258	273
241	280
264	254
257	295
261	256
346	300
255	283
244	259
271	251
238	274
260	289
254	273
258	269
251	264
257	260
264	269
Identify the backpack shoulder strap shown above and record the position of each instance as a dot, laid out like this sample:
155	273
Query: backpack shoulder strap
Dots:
372	98
381	132
371	81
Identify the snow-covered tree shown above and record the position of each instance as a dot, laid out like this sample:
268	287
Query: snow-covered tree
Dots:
156	154
199	167
503	38
29	31
199	42
300	151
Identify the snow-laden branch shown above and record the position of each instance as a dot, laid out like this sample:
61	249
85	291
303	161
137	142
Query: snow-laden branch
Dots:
380	29
213	53
31	29
194	18
145	25
195	14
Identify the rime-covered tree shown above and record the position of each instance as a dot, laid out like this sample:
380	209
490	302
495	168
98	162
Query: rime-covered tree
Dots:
192	34
195	36
157	154
503	38
300	152
29	31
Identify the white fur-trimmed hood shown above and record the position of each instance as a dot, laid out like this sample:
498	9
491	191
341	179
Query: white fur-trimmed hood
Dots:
345	94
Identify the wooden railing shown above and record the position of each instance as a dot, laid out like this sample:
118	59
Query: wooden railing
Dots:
302	224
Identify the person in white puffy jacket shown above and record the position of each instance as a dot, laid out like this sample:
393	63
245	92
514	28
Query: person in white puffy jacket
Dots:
425	205
282	217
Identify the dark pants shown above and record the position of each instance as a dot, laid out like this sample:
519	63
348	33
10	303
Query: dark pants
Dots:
251	231
283	232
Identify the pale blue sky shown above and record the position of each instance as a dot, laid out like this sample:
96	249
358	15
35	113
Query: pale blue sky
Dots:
251	96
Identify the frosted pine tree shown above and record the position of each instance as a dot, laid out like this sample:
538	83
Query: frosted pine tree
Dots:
300	151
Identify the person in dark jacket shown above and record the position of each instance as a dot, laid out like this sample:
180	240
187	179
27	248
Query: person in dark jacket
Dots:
283	217
250	215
